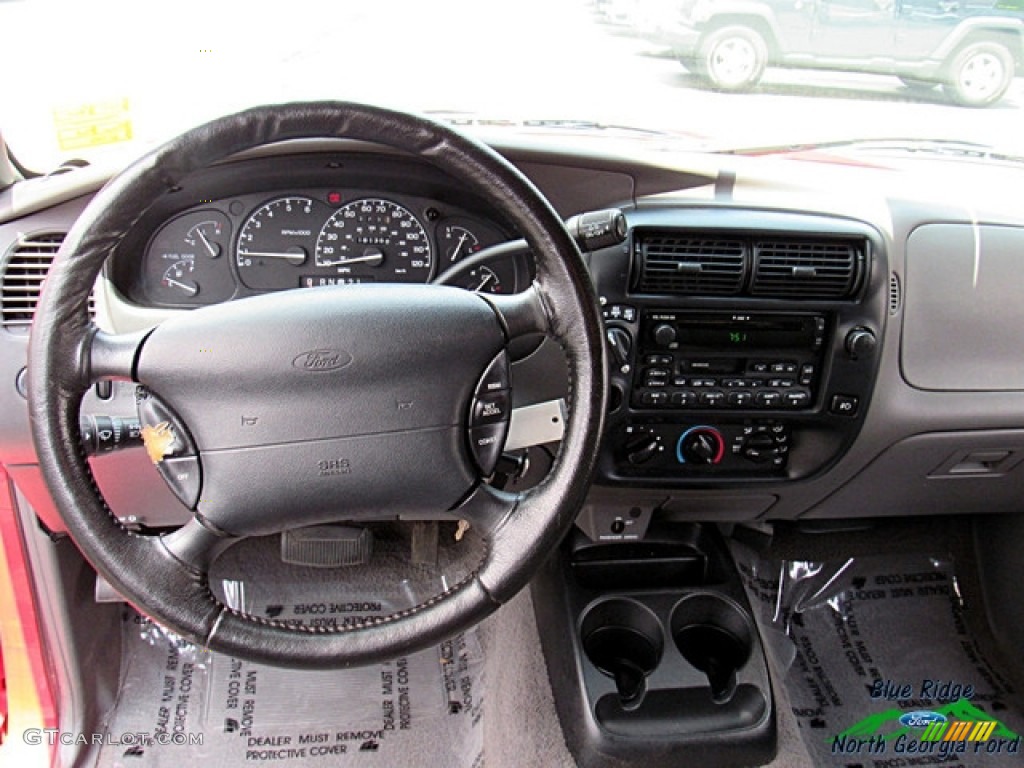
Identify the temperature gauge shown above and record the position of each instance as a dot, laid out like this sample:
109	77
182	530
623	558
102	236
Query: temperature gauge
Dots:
207	237
458	241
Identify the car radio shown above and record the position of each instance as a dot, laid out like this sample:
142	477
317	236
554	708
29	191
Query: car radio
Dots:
727	360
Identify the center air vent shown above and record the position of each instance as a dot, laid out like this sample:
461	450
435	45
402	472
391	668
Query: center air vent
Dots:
805	268
23	277
684	264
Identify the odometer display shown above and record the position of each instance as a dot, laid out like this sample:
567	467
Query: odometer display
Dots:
375	240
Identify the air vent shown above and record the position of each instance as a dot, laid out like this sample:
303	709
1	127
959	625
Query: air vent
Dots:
805	268
895	294
685	264
23	278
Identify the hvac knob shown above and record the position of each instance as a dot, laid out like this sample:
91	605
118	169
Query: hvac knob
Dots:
700	445
619	343
642	448
860	342
664	334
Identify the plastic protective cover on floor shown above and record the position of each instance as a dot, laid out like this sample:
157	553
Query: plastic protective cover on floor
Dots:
423	709
881	666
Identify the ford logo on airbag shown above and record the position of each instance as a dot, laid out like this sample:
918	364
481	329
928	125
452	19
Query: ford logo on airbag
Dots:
921	718
322	360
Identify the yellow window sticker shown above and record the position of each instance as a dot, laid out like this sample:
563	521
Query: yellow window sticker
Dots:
92	125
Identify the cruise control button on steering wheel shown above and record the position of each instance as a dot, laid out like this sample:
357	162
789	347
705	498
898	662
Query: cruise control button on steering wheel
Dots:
489	414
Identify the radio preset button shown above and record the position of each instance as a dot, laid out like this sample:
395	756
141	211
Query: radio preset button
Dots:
684	399
654	398
740	399
768	399
797	399
713	398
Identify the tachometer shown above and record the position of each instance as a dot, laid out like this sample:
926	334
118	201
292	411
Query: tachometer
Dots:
276	240
371	240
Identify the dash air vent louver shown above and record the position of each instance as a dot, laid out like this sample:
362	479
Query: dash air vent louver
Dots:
693	265
805	268
23	277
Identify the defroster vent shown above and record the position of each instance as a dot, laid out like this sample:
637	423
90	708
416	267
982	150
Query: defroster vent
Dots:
692	265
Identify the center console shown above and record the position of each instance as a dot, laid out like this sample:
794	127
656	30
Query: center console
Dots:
742	347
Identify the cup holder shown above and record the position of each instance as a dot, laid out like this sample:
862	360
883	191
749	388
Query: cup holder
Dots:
624	640
716	637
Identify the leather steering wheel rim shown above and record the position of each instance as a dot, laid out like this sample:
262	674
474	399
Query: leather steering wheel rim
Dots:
165	578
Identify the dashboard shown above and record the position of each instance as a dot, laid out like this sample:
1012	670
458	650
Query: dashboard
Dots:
775	346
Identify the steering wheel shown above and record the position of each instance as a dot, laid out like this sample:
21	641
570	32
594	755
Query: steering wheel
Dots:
315	405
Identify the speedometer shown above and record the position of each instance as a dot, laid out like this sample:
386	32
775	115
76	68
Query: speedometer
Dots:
374	240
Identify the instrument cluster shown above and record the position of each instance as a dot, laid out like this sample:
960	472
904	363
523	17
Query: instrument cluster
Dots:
247	244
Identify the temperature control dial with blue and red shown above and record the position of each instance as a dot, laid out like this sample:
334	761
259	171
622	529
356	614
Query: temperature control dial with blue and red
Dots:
700	445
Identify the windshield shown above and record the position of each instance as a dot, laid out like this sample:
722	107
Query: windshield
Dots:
88	78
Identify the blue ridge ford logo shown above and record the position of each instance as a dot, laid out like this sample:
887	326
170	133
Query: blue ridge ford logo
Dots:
322	360
921	719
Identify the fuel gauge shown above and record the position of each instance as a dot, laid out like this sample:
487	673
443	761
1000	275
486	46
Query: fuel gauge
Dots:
183	264
485	279
178	277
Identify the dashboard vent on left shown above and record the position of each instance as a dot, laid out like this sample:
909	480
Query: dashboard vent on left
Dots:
22	280
806	268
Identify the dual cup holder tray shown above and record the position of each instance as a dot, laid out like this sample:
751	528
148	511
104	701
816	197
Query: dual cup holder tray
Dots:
669	668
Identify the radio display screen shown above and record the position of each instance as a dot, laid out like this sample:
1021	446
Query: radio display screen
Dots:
759	334
721	331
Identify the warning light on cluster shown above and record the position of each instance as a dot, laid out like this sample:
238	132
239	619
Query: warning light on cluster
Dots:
334	198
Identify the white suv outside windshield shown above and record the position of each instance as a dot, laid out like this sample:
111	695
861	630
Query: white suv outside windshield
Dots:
88	78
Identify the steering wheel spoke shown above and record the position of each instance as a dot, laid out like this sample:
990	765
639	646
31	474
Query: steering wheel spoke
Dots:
487	508
113	356
523	313
196	546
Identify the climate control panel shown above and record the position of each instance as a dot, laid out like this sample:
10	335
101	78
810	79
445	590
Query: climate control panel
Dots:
681	449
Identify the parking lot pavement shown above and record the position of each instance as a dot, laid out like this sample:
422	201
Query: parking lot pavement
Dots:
533	58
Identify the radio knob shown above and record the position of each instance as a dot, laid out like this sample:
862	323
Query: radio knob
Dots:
860	342
700	445
664	334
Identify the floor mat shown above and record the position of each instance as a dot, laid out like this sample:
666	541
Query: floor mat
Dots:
424	709
882	668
